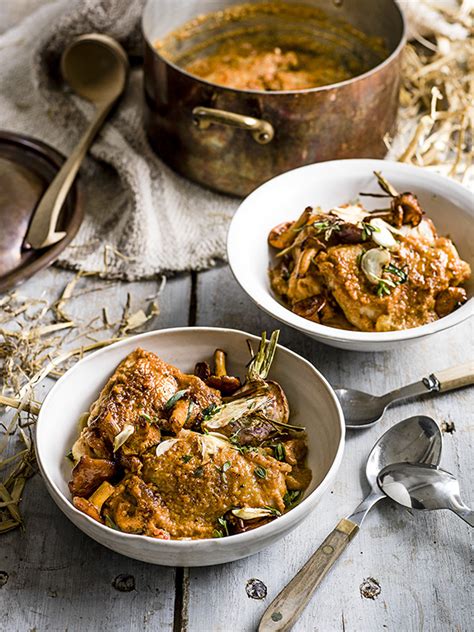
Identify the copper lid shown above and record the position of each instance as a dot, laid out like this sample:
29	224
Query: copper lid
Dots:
27	166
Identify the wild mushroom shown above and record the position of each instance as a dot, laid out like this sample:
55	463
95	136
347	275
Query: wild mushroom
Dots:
283	234
226	384
310	307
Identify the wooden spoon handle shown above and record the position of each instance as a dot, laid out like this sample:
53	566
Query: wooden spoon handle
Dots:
30	407
456	376
284	611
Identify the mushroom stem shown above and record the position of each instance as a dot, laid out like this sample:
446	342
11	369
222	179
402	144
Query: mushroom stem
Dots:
219	363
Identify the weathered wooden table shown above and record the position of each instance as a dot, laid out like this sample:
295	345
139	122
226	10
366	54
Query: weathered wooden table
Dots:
52	577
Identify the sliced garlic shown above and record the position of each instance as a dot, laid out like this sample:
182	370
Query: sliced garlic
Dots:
373	263
162	447
251	513
80	448
122	437
351	213
210	444
383	235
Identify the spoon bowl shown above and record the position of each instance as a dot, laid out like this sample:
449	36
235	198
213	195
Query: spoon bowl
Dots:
414	439
423	486
362	409
95	66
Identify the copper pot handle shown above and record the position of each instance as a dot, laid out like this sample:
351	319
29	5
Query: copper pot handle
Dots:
262	131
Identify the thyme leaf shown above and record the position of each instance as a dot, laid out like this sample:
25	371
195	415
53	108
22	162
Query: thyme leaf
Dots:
260	471
174	398
223	524
291	498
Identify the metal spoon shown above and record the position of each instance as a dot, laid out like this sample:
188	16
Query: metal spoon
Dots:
417	439
421	486
95	66
362	410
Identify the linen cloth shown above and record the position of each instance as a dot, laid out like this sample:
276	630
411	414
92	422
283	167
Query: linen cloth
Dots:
141	218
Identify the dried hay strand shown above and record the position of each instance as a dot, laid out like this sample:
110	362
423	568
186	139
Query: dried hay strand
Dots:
436	118
39	340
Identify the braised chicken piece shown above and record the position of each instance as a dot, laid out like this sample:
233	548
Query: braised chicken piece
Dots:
148	396
432	269
383	270
139	469
199	478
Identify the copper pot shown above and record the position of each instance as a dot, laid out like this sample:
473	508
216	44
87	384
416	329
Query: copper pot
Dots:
234	140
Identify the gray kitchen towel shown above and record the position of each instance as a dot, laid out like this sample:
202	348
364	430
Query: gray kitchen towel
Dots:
141	218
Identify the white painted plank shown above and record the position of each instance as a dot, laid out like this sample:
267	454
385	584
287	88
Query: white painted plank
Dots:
421	561
58	578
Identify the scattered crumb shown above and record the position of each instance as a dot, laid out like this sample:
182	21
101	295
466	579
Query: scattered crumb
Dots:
448	427
370	588
3	578
256	589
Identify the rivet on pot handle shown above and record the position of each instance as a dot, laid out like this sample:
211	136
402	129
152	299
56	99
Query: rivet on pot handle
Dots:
262	131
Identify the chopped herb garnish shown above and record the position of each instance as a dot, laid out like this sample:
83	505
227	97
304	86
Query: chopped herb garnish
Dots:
176	397
189	413
291	498
110	523
327	227
320	226
360	255
217	533
145	416
260	471
367	230
69	456
209	411
186	458
399	272
274	511
198	472
384	287
279	451
223	524
223	469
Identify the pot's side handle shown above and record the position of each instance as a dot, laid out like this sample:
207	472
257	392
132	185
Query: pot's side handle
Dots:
262	131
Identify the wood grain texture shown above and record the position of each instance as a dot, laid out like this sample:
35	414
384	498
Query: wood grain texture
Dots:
287	607
59	579
421	560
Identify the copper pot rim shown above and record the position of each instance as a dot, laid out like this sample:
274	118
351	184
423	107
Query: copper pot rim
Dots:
319	89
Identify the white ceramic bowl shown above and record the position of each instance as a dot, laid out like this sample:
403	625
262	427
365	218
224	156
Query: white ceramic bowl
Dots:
312	401
449	204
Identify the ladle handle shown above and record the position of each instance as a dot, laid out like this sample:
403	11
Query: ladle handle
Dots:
285	609
42	230
455	377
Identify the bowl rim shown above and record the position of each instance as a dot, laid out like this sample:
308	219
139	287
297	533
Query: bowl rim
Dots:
278	310
292	517
330	86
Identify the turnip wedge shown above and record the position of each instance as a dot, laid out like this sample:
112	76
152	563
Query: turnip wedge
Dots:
259	410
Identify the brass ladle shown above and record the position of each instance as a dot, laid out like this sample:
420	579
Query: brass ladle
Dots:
96	67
